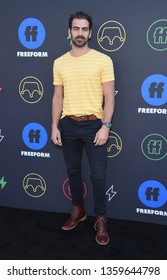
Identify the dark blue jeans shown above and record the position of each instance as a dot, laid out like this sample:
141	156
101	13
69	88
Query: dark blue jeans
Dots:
75	135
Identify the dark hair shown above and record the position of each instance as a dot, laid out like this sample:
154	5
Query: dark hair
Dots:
80	15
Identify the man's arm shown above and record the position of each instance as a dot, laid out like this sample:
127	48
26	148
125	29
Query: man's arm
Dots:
109	105
109	101
57	105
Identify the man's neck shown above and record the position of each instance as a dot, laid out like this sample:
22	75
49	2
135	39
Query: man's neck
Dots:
75	51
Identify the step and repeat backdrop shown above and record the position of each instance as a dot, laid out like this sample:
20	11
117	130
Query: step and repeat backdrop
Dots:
32	171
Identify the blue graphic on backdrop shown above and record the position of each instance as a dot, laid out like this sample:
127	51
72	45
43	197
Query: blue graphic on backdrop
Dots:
154	90
31	33
34	136
152	194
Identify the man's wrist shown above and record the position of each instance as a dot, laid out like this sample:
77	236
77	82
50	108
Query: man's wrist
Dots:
107	124
106	128
54	126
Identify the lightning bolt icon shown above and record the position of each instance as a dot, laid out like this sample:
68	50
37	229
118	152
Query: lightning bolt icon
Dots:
1	136
70	40
110	193
2	183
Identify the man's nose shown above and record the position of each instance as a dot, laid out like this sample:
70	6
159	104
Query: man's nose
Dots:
80	32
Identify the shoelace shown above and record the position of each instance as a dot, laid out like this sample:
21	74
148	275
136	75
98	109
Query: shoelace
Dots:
99	220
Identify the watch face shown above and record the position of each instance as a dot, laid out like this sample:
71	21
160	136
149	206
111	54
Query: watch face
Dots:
108	124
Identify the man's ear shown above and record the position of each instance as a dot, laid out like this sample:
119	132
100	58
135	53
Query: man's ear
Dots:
90	34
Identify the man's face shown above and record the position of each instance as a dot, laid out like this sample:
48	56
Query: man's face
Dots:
80	32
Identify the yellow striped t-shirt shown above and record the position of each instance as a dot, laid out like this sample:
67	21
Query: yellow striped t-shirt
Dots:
82	79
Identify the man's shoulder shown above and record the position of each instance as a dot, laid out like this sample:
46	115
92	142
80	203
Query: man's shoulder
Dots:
61	58
100	54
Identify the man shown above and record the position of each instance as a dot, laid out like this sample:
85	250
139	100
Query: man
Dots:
83	105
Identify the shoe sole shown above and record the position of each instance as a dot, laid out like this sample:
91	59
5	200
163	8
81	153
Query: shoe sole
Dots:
102	243
81	220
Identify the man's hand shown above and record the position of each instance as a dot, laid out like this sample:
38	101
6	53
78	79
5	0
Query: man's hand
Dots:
101	136
56	136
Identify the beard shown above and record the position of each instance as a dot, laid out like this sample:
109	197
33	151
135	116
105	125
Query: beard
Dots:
80	41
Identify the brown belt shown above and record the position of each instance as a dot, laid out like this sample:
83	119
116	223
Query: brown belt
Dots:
83	118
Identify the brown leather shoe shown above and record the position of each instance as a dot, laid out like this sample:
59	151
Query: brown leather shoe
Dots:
77	216
102	236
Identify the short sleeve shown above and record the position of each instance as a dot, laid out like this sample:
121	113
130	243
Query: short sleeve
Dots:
107	73
56	75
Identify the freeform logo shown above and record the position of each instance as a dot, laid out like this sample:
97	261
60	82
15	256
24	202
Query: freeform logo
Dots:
31	89
34	137
31	34
34	185
154	146
67	191
154	92
111	36
152	194
114	145
157	35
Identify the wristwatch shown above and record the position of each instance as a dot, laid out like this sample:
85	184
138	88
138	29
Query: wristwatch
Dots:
107	124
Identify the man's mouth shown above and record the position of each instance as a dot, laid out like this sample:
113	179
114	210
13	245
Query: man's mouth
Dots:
80	38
